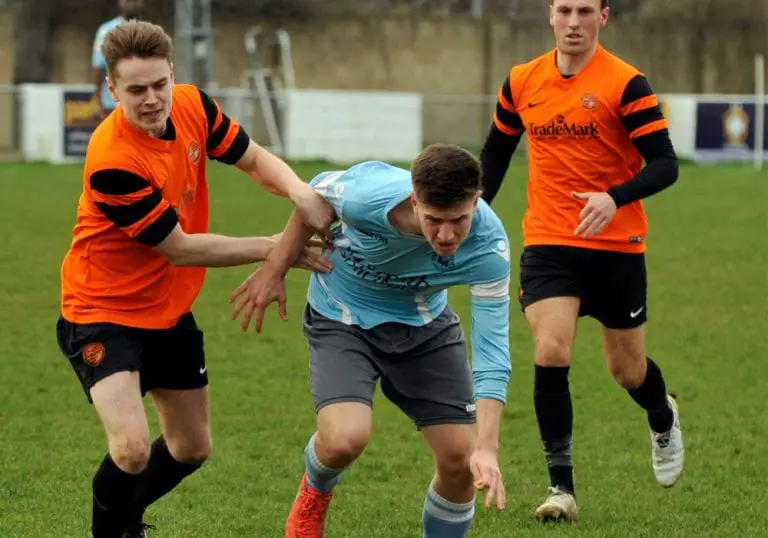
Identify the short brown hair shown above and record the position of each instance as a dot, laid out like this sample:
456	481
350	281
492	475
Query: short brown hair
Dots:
135	39
603	3
445	175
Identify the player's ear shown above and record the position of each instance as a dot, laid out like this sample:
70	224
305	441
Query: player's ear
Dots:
604	14
172	76
112	88
412	198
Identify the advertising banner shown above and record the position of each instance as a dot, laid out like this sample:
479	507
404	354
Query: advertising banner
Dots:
81	117
726	131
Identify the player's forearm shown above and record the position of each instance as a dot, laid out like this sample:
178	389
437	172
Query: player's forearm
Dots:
288	249
656	176
211	250
489	413
495	158
661	170
491	365
274	174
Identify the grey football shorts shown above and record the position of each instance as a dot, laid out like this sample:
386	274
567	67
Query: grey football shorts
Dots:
423	370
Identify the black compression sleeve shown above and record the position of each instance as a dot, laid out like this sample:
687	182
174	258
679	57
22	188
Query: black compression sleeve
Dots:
661	169
495	157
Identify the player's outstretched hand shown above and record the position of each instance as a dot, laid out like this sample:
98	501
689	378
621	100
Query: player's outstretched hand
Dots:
316	212
597	213
311	258
254	296
484	465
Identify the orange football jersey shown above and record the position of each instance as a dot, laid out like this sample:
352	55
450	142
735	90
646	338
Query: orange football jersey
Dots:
136	188
580	132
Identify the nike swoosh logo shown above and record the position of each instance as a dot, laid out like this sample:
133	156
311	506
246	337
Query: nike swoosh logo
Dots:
205	368
636	312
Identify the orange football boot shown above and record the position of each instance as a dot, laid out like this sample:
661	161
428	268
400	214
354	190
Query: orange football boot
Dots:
307	517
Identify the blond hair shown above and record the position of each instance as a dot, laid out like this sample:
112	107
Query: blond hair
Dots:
135	39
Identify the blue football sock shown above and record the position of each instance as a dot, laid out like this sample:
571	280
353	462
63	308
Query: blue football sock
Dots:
445	519
319	477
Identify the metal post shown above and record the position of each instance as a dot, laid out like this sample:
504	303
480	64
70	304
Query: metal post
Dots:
193	42
182	57
202	43
477	9
760	107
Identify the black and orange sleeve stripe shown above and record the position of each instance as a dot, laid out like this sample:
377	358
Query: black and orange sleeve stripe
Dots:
227	140
640	109
502	140
133	204
506	118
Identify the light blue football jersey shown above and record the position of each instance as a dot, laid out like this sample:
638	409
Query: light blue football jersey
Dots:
98	61
383	275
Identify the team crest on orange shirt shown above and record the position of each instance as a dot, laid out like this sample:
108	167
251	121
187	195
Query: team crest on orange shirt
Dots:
194	152
93	353
589	101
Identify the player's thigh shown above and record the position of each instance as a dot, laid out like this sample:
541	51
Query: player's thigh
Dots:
625	354
553	322
107	360
618	289
452	446
341	362
176	375
184	417
430	378
118	401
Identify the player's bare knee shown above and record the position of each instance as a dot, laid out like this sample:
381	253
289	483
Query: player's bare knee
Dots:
453	468
628	371
625	354
552	351
130	453
192	450
343	432
346	447
343	445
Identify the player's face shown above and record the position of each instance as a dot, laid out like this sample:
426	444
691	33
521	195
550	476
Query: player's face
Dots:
445	229
143	87
577	24
131	9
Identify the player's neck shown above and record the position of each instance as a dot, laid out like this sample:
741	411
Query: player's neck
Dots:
157	133
571	64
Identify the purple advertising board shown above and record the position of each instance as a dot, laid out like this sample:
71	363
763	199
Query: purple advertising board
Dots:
725	131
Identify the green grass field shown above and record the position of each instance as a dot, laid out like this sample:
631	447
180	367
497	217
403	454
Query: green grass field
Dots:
708	313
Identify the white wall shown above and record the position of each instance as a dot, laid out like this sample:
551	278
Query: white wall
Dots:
348	126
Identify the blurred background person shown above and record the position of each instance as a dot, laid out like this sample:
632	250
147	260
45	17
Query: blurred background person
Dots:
129	9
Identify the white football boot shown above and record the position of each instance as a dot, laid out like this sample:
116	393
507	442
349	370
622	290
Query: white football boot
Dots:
559	506
668	453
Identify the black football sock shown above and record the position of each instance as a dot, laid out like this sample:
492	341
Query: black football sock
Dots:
554	412
113	493
651	395
163	474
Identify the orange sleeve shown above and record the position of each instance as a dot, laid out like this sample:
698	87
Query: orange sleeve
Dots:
640	110
506	118
133	204
227	140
